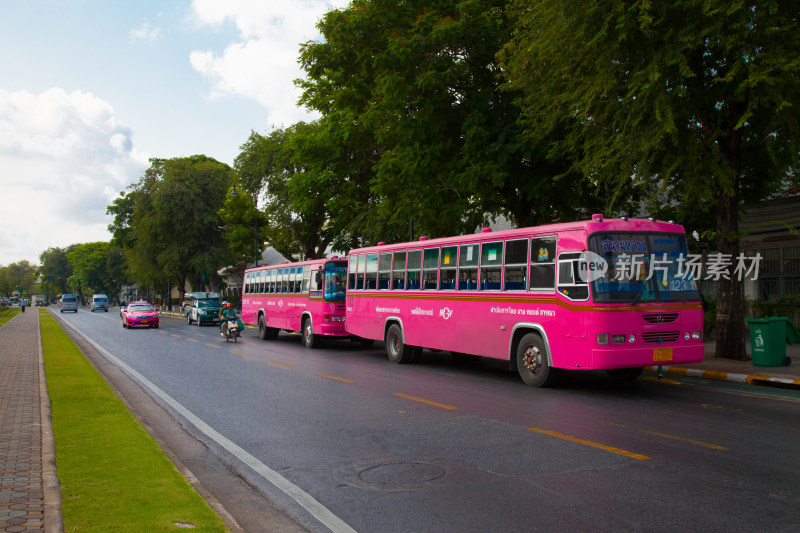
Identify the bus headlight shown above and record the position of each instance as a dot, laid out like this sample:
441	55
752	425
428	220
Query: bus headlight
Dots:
697	335
631	338
602	338
686	336
618	339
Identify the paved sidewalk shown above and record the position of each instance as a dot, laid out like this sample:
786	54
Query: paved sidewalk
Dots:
29	497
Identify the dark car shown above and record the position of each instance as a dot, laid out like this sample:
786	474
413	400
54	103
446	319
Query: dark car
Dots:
203	311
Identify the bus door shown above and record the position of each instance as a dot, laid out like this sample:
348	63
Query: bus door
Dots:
571	348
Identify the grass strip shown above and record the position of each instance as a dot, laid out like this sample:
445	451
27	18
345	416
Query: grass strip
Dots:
7	313
114	476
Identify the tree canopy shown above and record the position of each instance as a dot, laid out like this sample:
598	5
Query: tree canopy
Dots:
694	102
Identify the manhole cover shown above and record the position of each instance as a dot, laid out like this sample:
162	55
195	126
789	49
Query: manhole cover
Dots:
395	475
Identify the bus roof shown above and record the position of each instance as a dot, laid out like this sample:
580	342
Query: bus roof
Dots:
597	224
321	261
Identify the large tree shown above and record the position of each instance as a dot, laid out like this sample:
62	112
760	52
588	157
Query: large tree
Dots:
419	82
695	101
19	276
55	265
169	222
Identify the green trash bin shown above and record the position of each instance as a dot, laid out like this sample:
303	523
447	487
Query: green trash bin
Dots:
768	338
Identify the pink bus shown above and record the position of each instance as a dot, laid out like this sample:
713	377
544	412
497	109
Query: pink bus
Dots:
597	294
307	297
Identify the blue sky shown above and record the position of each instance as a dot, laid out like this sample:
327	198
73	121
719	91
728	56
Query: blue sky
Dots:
90	90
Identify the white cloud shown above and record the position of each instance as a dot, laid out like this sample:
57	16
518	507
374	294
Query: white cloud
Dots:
145	34
263	64
63	159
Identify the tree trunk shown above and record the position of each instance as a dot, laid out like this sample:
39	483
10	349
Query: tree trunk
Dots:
730	297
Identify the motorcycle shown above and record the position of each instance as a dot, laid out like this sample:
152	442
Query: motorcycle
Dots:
230	329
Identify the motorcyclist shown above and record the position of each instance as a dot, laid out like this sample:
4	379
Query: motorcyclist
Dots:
228	313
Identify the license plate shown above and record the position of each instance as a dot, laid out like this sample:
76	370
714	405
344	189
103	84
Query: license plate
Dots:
662	354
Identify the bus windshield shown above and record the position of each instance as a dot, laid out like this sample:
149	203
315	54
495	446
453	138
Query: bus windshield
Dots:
335	276
641	267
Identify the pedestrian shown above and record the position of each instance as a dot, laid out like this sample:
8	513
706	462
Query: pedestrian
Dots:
22	304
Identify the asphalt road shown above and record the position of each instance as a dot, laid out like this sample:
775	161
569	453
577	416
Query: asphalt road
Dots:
341	439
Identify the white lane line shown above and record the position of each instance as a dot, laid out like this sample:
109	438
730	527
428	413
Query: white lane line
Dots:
305	500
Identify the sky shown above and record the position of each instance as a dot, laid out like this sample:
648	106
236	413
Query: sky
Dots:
90	90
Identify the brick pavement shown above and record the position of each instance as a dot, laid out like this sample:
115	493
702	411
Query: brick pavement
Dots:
23	472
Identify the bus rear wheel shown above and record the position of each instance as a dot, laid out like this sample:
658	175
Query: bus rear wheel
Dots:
532	364
266	333
396	350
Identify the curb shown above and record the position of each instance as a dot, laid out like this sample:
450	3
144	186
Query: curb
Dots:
748	379
53	516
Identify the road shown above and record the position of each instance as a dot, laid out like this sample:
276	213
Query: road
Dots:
341	439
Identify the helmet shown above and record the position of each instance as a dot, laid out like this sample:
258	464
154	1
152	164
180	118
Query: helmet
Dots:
229	304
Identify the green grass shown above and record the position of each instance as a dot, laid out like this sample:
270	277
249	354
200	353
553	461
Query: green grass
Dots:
7	314
114	476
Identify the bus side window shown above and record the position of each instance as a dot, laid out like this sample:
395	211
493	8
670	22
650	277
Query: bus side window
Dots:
362	261
447	269
570	284
413	270
543	266
430	269
351	272
306	279
371	279
516	266
398	270
270	281
261	276
315	281
468	267
491	264
384	271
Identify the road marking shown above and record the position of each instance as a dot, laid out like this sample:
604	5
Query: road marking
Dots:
279	363
192	340
422	400
337	379
305	500
590	443
214	346
176	336
672	437
163	332
242	353
690	441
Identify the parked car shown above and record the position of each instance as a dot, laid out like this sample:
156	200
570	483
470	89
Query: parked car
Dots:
99	303
139	313
202	308
68	302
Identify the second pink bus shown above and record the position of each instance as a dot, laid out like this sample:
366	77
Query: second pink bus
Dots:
306	297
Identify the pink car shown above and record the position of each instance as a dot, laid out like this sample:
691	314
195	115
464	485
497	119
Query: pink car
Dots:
139	314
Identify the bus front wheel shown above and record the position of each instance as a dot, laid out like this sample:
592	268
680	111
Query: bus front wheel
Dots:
309	339
397	351
532	364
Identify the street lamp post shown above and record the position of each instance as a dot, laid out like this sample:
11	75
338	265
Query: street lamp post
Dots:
234	194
